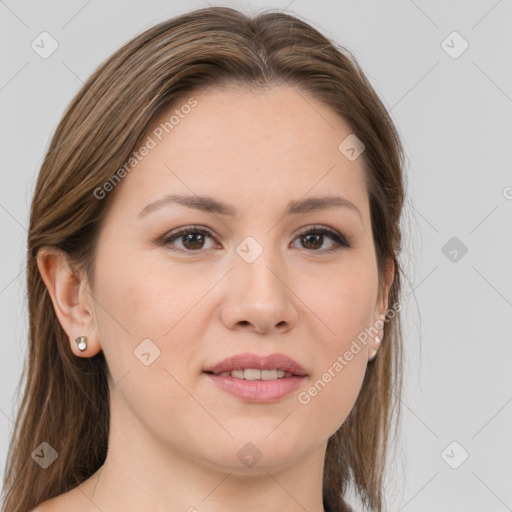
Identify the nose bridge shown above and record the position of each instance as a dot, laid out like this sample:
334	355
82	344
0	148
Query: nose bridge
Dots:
258	296
258	269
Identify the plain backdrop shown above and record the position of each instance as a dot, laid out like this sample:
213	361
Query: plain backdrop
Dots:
443	70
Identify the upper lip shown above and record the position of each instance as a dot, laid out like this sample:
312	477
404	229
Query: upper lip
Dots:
248	360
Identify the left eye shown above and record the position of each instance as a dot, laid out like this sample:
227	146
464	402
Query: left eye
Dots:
316	236
193	239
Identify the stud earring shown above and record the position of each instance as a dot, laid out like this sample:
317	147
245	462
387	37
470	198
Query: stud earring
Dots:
374	352
81	343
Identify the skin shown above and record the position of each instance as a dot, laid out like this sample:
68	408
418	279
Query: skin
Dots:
174	435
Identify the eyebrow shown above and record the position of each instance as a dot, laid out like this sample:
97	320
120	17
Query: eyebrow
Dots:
210	205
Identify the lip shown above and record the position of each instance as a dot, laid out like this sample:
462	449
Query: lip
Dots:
248	360
257	391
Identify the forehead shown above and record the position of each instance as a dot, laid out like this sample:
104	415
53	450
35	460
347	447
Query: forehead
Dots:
245	145
247	121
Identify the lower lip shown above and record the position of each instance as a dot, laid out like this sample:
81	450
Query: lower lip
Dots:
257	391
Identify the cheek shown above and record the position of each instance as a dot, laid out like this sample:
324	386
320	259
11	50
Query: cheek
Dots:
346	309
342	358
331	395
139	299
138	295
346	303
138	307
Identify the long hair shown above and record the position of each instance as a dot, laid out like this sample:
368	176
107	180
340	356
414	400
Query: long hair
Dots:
65	399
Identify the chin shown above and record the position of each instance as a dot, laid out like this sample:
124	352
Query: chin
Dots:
250	455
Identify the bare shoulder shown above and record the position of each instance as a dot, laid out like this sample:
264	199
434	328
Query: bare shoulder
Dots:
51	505
62	503
75	499
47	506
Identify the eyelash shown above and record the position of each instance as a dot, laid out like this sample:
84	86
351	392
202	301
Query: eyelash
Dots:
340	241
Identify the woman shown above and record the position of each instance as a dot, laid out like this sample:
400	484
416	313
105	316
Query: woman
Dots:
213	279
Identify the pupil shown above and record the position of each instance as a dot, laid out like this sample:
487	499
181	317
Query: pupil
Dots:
192	237
317	237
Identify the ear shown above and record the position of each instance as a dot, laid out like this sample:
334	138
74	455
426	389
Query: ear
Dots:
382	302
71	297
381	308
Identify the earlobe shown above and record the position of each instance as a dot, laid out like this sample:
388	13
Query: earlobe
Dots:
374	351
72	301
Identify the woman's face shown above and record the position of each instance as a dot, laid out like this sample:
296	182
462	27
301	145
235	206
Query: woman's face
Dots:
246	279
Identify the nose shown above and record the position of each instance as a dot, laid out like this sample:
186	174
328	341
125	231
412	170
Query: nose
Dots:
259	297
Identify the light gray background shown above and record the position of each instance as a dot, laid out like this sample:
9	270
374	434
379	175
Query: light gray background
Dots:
455	118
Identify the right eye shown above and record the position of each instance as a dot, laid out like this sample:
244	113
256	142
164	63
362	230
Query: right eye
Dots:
192	239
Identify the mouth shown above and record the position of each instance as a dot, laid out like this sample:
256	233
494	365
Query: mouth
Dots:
255	374
258	379
255	367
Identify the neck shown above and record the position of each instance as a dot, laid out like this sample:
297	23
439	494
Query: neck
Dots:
146	474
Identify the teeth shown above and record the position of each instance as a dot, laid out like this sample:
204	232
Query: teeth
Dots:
268	374
255	374
252	374
238	374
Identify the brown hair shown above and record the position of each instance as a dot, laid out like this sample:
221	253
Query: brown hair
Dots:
66	398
